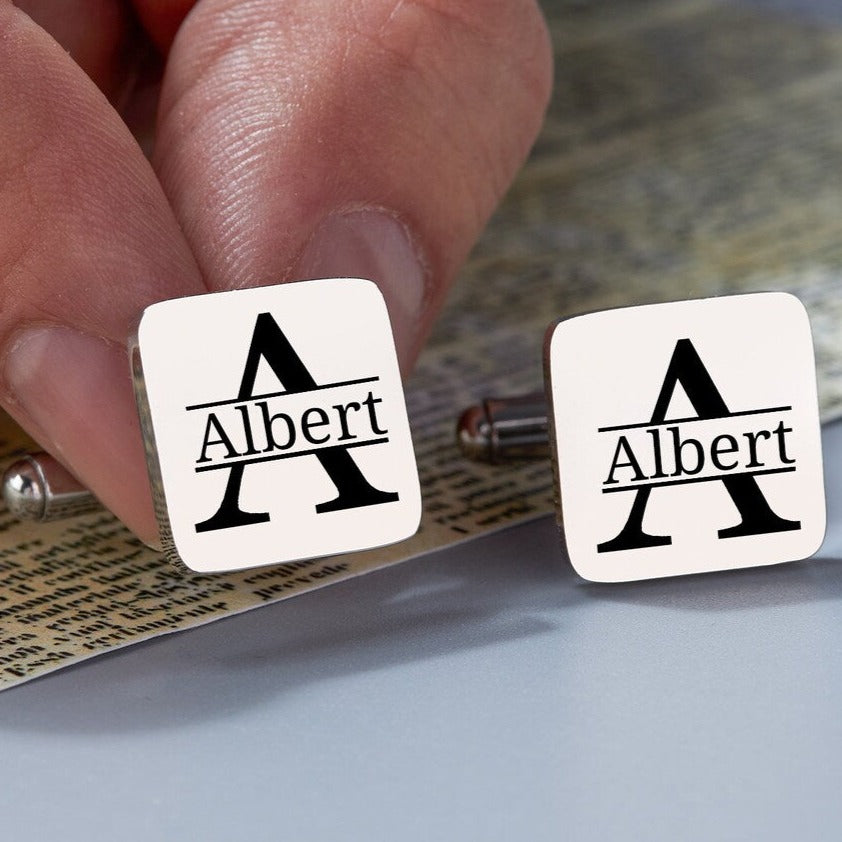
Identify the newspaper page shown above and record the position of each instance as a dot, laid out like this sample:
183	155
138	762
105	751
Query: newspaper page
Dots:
692	148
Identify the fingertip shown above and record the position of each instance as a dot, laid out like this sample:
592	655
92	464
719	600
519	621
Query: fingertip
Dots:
375	244
73	392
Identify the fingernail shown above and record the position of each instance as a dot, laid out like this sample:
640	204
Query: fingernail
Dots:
73	393
373	244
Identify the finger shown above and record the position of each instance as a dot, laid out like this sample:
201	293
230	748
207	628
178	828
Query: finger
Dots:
96	33
327	137
86	241
161	18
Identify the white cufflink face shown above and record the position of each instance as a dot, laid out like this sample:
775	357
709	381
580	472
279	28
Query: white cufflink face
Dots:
275	424
687	436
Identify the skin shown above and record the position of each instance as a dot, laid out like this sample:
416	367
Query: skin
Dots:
164	148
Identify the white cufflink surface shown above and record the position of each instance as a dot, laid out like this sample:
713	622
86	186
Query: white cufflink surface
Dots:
275	424
686	436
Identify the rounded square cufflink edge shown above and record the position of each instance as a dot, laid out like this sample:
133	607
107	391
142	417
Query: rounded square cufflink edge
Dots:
686	436
274	424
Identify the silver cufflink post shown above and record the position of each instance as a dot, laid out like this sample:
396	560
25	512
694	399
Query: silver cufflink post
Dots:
38	488
505	429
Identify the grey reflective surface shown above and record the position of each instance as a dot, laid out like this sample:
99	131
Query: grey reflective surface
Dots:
481	693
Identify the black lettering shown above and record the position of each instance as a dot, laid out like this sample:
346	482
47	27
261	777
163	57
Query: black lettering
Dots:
656	450
753	461
213	422
342	410
756	516
307	425
269	425
781	431
269	343
250	448
717	450
678	448
631	462
369	402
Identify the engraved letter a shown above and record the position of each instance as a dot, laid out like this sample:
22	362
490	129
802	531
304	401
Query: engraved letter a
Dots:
269	343
757	517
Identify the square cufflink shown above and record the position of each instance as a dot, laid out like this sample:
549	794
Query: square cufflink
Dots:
684	436
275	424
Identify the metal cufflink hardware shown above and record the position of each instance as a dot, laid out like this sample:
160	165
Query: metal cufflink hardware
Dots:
684	436
274	423
500	430
38	488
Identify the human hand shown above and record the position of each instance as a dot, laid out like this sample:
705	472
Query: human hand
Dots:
292	139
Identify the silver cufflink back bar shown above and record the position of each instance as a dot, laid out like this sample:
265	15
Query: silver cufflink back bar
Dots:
37	487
